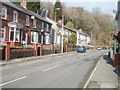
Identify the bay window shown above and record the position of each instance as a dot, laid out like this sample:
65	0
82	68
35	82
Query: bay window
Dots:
34	37
14	34
15	16
47	41
4	12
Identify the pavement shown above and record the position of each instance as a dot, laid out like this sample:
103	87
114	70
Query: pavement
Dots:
104	75
69	70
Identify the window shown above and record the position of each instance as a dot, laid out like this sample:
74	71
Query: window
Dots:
2	32
42	25
47	28
4	13
42	39
58	28
17	35
14	34
47	41
15	16
27	20
34	23
34	37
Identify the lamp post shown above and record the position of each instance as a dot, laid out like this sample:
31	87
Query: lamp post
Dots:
62	34
55	31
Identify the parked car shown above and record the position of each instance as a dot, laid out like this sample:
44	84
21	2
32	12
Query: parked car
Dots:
104	48
99	48
81	49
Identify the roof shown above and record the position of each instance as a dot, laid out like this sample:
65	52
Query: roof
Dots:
65	27
22	9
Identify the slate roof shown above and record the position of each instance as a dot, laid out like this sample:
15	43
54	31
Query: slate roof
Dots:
65	27
22	9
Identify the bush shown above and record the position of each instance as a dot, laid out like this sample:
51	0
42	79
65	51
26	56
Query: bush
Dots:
65	42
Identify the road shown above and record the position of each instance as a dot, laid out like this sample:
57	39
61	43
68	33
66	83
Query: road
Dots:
69	70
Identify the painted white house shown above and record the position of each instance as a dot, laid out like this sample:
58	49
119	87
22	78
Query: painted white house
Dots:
57	28
82	38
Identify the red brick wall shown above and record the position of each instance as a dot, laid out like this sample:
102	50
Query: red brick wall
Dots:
21	21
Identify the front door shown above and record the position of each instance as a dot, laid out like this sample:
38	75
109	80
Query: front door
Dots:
2	35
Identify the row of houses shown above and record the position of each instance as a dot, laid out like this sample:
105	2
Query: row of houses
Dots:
116	49
21	26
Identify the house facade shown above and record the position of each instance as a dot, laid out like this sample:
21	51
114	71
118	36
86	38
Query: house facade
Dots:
20	26
82	38
117	33
57	28
67	32
116	51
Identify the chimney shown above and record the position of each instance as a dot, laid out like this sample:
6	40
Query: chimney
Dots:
24	4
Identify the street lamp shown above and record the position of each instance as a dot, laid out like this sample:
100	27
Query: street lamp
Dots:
55	32
62	33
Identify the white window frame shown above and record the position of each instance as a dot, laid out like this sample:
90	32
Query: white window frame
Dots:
4	8
42	25
42	41
14	38
1	32
35	37
47	37
15	12
27	20
34	23
47	28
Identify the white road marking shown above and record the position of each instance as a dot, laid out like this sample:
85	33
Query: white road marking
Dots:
12	81
91	75
50	68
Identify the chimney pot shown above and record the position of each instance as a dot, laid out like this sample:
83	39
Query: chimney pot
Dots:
24	4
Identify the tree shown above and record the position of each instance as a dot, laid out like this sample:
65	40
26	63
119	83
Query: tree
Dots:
73	40
57	11
34	6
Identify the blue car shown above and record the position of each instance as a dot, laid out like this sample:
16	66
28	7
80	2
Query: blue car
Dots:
81	49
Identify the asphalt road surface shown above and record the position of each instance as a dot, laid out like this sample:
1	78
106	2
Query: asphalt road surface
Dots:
69	70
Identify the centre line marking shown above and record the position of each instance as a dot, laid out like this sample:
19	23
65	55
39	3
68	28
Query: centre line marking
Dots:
50	68
12	81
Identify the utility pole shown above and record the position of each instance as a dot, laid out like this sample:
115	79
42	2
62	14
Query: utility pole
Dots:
62	34
55	30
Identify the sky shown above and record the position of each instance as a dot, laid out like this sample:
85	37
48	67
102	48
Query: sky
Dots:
106	6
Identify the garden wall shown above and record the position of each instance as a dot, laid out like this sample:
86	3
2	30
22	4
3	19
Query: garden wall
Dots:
19	53
47	49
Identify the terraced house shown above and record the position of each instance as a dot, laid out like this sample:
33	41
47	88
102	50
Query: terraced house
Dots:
21	26
57	28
